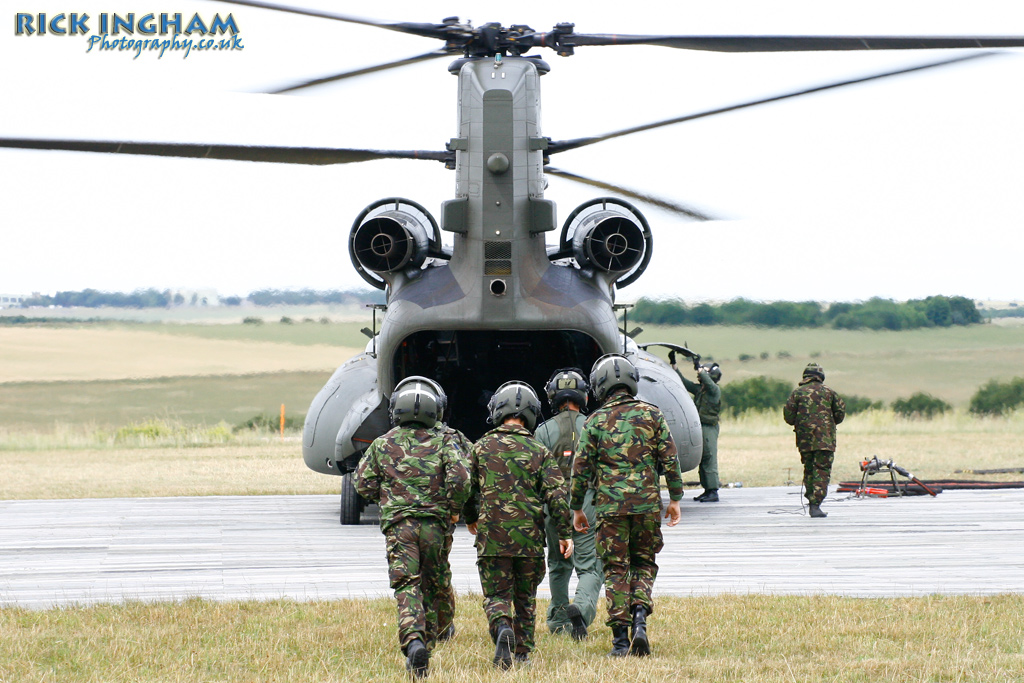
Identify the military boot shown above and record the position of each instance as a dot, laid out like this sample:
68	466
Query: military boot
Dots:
709	496
417	659
579	624
639	645
815	510
504	643
620	641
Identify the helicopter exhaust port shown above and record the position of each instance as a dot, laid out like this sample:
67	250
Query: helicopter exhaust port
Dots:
610	236
498	287
392	235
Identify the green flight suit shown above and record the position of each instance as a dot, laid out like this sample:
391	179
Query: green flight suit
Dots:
561	434
707	396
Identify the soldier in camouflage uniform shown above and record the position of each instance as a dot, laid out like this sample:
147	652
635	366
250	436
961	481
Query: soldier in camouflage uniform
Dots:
418	476
814	410
446	608
513	476
567	396
622	446
707	396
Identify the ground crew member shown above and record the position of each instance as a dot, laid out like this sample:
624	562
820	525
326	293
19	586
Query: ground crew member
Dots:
512	477
418	476
567	396
814	410
622	446
707	396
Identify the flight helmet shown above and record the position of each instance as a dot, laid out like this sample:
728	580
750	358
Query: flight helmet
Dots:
610	371
417	399
514	399
714	371
566	384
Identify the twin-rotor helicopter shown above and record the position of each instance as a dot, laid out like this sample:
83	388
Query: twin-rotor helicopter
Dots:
510	293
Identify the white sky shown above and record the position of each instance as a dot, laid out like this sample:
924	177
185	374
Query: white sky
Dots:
903	188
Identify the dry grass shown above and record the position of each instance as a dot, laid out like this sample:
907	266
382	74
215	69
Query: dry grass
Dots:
246	466
50	354
727	638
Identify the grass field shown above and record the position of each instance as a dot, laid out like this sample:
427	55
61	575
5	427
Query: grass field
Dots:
749	639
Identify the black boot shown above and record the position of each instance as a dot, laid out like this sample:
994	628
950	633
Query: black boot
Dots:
579	624
620	641
417	659
504	643
446	634
639	645
815	511
709	496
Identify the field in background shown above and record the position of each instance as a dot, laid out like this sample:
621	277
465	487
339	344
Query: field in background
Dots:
950	363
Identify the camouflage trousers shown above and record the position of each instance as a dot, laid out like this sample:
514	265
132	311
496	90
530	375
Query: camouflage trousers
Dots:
417	563
510	595
446	605
817	471
584	562
708	470
627	546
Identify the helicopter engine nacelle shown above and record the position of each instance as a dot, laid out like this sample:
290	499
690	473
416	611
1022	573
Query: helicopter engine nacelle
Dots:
391	236
610	236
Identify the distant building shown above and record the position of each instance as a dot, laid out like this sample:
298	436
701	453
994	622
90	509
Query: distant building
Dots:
12	300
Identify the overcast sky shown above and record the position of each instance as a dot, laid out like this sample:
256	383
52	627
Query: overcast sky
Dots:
902	188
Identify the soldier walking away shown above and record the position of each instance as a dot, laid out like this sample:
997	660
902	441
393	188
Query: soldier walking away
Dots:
513	476
567	396
446	607
707	396
814	410
623	445
418	476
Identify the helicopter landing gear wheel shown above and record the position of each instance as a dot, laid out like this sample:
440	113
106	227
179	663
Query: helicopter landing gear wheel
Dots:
351	502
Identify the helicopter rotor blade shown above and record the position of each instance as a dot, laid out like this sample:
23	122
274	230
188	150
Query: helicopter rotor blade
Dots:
360	72
666	204
441	31
565	145
315	156
792	43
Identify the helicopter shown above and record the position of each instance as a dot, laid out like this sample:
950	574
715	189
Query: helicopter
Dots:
504	301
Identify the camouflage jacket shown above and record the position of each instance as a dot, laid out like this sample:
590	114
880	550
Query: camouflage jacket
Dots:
707	396
513	475
814	410
414	472
561	434
622	444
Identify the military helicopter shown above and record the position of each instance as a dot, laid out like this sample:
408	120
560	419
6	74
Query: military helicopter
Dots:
502	301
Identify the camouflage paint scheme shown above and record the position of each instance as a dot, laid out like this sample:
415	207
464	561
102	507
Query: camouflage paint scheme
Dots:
513	477
623	446
561	435
814	410
419	478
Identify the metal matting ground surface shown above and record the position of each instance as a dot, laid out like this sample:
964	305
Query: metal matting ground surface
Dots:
755	540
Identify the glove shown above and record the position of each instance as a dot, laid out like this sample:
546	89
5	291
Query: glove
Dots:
672	357
696	363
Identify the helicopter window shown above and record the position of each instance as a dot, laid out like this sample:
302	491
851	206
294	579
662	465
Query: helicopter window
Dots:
471	364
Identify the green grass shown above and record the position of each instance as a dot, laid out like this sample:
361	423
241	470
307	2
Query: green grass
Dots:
950	363
192	400
750	639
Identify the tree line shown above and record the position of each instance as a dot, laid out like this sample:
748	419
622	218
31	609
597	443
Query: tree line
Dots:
874	314
153	298
762	393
